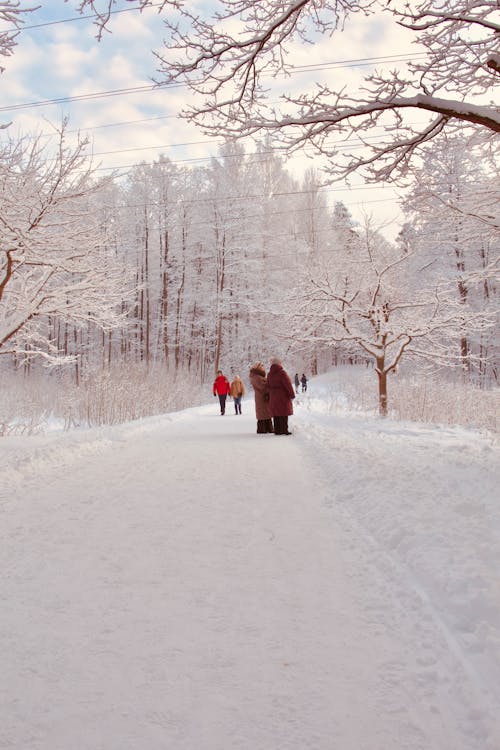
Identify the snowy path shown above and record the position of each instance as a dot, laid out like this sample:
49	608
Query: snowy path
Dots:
184	584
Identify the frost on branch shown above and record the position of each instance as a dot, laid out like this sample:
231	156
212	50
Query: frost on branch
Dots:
52	261
229	61
382	302
11	15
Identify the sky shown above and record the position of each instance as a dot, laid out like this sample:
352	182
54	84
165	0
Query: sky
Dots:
182	582
129	120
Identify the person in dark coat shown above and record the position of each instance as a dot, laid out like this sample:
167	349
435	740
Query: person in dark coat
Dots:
281	395
261	391
297	382
222	389
303	380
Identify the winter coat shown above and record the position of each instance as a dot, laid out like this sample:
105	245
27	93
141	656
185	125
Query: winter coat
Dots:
259	384
281	392
221	386
237	388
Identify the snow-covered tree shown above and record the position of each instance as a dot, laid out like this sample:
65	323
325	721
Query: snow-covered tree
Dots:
227	52
12	19
53	263
364	296
453	204
229	59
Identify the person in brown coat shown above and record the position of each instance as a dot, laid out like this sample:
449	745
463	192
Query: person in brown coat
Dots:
261	392
237	392
281	395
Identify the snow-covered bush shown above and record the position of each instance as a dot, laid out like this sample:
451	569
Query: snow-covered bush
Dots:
121	395
33	404
426	398
430	400
26	403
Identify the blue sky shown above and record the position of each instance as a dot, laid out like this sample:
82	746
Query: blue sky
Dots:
64	60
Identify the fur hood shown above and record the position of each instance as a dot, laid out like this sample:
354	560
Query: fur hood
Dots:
258	369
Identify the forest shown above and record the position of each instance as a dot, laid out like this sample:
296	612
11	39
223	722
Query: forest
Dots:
120	296
178	271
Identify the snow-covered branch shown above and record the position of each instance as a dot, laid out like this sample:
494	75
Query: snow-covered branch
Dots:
225	61
52	262
12	16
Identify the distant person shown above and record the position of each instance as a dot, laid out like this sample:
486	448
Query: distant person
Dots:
261	392
221	389
281	395
297	382
303	380
237	392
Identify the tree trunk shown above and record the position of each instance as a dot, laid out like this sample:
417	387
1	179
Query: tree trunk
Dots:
382	387
463	294
221	283
164	296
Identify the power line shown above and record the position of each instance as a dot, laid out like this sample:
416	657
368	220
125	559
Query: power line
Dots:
175	84
171	84
348	144
84	18
91	96
254	196
402	56
139	121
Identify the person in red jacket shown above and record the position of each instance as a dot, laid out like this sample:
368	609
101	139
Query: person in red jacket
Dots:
281	395
221	389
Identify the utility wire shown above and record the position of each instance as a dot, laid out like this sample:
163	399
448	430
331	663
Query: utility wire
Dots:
254	196
88	97
175	84
84	18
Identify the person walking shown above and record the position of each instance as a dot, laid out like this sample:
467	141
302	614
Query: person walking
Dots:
237	392
297	382
261	392
303	380
221	389
281	395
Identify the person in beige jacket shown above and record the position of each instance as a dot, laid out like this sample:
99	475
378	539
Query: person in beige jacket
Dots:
237	392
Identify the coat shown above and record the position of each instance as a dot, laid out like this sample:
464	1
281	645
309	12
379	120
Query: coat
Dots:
281	392
221	386
237	388
259	384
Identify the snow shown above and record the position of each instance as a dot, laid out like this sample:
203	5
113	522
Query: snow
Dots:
183	583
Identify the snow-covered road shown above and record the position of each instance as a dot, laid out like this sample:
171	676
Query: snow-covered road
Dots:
181	583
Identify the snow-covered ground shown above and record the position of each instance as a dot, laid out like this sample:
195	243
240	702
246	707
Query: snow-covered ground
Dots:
182	583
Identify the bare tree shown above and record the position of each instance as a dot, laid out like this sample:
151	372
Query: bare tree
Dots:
53	262
228	58
228	61
11	15
364	297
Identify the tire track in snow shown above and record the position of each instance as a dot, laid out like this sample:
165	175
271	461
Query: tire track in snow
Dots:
366	464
